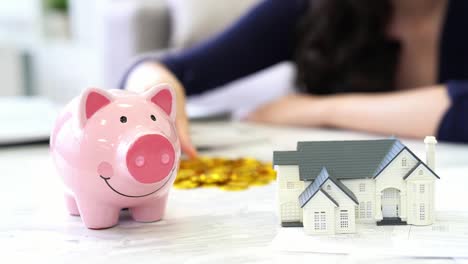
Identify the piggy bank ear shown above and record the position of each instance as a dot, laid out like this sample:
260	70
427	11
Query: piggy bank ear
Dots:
163	96
91	101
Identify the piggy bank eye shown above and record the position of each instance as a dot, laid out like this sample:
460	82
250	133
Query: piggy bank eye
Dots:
153	118
123	119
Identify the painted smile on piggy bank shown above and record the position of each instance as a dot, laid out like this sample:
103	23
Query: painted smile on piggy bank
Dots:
106	180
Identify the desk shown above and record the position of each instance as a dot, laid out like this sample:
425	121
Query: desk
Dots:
201	226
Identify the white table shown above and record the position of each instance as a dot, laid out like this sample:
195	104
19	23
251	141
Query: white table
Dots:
201	226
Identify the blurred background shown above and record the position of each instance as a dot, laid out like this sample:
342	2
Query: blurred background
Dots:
53	49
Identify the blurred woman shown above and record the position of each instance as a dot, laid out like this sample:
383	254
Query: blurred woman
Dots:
394	67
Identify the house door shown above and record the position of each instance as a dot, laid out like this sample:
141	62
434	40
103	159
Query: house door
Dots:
390	203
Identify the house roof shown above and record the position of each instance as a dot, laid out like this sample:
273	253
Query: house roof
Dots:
313	188
354	159
416	166
329	197
316	186
286	157
411	171
345	189
420	162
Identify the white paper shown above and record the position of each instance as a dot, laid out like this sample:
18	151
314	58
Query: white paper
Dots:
447	237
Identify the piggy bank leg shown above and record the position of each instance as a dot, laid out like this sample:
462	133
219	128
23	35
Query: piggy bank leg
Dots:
151	211
98	216
71	205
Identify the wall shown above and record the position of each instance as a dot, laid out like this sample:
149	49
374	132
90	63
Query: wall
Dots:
11	72
420	176
344	202
392	177
289	196
364	198
63	70
319	203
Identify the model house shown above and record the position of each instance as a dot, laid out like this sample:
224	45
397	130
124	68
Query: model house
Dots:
329	186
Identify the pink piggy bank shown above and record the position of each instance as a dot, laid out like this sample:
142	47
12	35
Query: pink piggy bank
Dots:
117	149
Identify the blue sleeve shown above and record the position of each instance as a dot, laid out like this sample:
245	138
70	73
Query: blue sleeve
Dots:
261	38
454	124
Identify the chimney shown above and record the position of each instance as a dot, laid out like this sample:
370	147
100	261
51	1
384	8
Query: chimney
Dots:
430	151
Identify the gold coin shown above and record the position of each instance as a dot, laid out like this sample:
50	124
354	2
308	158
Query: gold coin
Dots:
227	174
233	186
186	185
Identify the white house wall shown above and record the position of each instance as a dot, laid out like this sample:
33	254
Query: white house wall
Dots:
364	190
336	193
319	204
289	189
344	203
392	177
421	192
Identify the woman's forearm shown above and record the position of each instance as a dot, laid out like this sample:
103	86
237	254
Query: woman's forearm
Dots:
413	113
148	74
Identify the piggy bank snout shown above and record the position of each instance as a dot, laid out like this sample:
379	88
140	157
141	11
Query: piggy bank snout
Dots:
150	158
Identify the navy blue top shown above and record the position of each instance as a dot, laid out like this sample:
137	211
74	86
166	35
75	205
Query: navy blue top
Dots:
264	37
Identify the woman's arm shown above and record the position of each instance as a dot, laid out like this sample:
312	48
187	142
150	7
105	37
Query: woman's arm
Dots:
414	113
261	38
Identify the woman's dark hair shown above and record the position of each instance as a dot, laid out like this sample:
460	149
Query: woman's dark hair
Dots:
344	47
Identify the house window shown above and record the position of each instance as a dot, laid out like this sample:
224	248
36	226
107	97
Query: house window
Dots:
389	195
320	221
414	211
328	187
362	210
344	219
362	187
290	212
422	188
317	221
369	210
403	162
414	187
290	185
323	219
422	212
420	172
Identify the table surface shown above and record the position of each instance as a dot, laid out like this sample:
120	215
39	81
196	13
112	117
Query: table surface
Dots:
201	225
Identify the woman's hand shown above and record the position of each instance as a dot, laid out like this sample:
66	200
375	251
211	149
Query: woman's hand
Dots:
146	75
411	113
296	110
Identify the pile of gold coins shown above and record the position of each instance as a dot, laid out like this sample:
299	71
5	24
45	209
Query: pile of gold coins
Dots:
226	174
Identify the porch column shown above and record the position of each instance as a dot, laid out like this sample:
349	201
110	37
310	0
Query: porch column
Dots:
403	209
378	206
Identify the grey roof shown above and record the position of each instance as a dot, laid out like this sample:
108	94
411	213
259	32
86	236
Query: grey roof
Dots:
396	149
345	189
314	187
286	157
411	171
416	166
329	197
354	159
424	164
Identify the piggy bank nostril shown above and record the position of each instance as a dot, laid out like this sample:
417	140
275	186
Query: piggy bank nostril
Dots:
140	161
165	158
